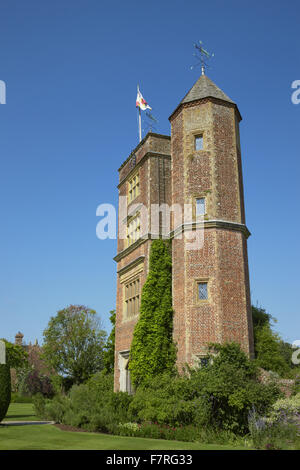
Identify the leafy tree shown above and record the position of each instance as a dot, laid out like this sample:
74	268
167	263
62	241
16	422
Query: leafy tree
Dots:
270	350
152	349
16	356
109	352
74	343
287	350
38	383
269	355
261	317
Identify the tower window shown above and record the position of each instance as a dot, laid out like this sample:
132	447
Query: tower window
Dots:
199	142
204	361
132	298
200	206
133	230
133	188
202	291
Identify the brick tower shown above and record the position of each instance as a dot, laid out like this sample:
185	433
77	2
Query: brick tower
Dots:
211	295
199	166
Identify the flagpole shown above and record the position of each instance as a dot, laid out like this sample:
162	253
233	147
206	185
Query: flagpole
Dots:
140	118
140	125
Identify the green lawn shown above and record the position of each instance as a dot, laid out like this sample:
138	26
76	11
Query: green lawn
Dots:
49	437
21	412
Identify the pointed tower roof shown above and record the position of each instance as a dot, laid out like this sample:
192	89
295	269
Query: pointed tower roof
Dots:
204	88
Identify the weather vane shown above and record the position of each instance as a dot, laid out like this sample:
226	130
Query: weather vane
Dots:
203	58
151	122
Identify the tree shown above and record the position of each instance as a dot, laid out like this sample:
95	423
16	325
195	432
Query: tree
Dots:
74	343
16	356
109	352
269	355
38	383
261	317
152	349
270	351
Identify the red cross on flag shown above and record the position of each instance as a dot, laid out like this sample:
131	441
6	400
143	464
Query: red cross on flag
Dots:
140	102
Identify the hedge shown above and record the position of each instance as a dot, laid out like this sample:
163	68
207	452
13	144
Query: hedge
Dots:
5	389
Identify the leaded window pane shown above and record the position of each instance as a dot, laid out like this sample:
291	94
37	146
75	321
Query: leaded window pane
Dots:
200	206
202	291
199	142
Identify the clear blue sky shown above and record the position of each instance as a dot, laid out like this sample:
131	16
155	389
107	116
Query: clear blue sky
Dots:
71	69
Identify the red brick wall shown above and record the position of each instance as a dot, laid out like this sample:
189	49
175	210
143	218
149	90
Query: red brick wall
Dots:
154	167
215	172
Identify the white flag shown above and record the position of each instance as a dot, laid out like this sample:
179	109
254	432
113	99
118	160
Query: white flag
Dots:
140	102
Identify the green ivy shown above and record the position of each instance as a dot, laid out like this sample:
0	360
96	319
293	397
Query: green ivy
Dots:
152	349
109	350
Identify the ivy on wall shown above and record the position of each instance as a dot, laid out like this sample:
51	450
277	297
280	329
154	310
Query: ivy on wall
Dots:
152	349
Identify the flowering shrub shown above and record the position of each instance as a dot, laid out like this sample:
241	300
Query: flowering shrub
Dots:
286	410
296	387
269	434
187	433
133	427
289	405
155	430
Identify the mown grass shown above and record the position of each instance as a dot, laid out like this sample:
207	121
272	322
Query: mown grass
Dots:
49	437
21	412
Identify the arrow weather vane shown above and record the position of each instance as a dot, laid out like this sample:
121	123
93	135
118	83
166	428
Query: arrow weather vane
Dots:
204	56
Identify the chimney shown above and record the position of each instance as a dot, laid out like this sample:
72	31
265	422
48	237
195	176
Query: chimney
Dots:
19	338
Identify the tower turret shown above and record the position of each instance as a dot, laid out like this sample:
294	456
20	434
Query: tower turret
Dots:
211	294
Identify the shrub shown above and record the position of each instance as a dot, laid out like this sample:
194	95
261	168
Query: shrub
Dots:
208	402
93	406
286	409
57	408
16	398
54	409
165	400
227	389
188	433
34	382
219	395
270	435
38	383
296	386
39	404
5	389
